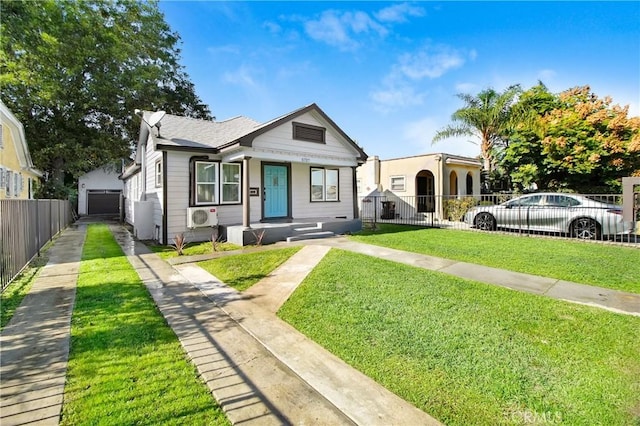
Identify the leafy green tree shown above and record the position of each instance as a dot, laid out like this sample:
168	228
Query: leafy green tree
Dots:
487	117
74	71
573	140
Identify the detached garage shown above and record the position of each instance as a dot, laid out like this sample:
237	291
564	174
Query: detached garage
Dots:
99	192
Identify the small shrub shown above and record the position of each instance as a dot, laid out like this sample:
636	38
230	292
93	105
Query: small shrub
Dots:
258	235
455	209
179	243
216	239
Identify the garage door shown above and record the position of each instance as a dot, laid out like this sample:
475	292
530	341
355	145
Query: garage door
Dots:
103	202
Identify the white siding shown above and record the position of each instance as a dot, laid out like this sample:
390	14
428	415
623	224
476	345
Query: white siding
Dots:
302	207
152	193
255	177
280	144
179	186
132	192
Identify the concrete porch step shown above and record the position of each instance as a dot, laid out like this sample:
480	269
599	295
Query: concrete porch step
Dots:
310	236
308	228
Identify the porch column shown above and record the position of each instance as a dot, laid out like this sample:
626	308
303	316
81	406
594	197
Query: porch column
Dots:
246	211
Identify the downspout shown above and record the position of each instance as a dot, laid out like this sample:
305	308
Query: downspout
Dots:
165	197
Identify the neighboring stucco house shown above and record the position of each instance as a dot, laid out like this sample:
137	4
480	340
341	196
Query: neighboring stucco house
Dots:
99	191
18	176
418	185
238	174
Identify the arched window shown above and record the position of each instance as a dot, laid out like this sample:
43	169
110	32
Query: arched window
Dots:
469	184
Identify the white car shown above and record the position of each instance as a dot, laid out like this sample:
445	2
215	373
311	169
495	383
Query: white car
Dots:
575	215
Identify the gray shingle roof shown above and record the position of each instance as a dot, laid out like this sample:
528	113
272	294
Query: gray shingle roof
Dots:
196	133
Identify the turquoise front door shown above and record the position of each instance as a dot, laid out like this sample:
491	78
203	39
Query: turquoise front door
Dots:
275	191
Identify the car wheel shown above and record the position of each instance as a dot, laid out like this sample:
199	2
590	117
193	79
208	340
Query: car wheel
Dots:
585	229
485	222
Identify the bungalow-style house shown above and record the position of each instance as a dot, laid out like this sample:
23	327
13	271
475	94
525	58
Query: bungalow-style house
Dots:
242	180
417	186
99	191
18	176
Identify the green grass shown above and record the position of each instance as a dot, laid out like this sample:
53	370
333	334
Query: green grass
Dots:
12	296
191	249
244	270
470	353
126	365
610	266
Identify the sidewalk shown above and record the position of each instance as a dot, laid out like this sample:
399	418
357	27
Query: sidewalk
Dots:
34	346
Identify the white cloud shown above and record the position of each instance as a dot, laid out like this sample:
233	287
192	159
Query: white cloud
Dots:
338	28
396	97
399	13
431	62
344	29
399	86
243	76
273	27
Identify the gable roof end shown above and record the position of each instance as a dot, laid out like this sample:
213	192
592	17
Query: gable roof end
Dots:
247	140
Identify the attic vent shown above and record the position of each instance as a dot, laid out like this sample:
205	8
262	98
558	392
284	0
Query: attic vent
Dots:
307	132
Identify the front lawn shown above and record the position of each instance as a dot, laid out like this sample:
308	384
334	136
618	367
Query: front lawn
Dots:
191	249
126	366
471	353
241	271
602	265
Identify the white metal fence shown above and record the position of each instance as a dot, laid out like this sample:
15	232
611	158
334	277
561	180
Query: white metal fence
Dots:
25	227
594	217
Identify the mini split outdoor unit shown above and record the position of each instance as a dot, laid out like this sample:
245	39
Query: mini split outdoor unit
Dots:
198	217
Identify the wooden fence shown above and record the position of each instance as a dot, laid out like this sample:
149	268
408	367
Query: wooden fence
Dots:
25	227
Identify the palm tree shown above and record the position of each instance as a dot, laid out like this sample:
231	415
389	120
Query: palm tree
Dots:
487	116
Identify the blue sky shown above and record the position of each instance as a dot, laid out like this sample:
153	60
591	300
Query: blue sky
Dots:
388	72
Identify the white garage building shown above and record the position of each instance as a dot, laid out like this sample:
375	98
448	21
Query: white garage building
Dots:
99	192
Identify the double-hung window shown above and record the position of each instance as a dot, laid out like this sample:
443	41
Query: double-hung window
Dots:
206	182
230	183
324	184
216	183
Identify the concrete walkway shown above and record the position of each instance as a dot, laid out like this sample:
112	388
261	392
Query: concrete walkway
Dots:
34	346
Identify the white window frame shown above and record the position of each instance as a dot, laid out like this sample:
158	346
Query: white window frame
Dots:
236	183
216	175
158	173
397	186
325	193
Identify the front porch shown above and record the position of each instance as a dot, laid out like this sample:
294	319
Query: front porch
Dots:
291	230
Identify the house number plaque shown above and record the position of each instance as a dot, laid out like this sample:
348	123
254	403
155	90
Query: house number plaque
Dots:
254	192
